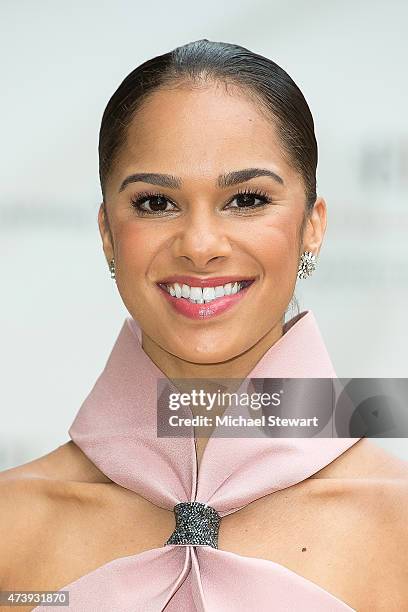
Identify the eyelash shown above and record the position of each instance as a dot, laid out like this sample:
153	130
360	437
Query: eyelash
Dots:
146	195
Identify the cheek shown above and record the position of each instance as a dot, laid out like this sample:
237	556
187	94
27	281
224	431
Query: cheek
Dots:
134	249
276	247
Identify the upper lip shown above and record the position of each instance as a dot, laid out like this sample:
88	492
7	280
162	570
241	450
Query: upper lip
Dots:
194	281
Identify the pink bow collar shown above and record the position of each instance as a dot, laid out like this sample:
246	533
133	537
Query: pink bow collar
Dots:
116	428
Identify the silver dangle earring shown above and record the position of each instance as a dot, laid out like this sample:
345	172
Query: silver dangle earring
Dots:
307	264
112	268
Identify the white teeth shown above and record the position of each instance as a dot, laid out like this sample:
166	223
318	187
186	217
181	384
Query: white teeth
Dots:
185	291
203	295
196	293
208	293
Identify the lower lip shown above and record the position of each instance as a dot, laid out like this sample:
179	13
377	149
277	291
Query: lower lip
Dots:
204	311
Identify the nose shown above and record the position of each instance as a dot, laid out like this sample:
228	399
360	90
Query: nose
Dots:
202	239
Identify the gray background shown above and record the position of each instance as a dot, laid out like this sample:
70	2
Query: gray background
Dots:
61	61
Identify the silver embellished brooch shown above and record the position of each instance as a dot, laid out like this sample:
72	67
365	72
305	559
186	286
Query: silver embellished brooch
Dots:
196	523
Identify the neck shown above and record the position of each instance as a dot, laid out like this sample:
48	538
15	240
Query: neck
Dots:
236	367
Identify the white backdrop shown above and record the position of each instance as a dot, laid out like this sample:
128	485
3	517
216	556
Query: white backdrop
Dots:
61	61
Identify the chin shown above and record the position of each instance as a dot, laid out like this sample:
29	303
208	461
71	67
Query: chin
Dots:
207	352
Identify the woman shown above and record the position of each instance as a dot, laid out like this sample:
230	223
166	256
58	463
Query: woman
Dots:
208	173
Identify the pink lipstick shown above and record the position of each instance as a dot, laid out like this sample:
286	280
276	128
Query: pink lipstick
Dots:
214	307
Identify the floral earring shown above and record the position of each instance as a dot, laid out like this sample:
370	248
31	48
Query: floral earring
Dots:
112	268
307	264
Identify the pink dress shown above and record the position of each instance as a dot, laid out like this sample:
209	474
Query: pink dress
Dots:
116	428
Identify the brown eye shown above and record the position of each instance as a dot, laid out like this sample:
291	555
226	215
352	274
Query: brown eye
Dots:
156	204
151	203
246	199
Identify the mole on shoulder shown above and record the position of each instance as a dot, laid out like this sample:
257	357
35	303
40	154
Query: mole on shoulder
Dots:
303	549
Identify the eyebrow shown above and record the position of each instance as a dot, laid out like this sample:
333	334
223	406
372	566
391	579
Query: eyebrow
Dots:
224	180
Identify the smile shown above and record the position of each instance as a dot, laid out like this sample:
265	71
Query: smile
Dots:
201	295
203	302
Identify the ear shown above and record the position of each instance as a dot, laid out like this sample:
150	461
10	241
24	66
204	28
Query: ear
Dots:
105	232
315	227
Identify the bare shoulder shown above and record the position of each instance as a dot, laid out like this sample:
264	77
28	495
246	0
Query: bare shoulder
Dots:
367	489
387	501
24	510
373	480
34	495
65	463
367	460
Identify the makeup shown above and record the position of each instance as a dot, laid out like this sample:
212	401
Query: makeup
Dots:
178	296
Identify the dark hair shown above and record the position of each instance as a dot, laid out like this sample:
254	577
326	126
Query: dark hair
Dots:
269	85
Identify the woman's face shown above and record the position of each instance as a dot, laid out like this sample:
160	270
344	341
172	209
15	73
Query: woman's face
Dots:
196	224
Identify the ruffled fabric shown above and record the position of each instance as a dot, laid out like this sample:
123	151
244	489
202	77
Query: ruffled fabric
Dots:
116	427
